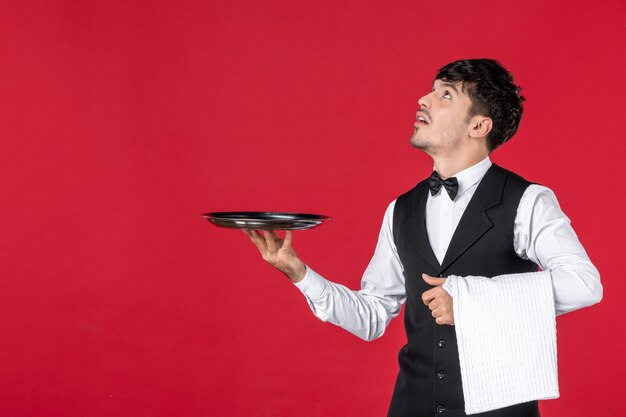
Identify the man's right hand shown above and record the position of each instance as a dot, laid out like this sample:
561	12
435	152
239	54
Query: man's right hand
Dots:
278	252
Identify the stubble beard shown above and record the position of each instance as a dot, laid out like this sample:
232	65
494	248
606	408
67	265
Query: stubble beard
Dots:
419	142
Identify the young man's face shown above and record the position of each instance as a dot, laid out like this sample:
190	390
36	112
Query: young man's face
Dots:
443	119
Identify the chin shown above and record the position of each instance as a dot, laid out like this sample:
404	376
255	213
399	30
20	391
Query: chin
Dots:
422	145
418	143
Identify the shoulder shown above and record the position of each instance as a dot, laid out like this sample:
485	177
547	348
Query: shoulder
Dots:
414	191
389	211
410	201
533	194
539	204
512	178
539	195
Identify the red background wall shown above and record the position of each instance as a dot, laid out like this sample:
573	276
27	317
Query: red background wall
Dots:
122	121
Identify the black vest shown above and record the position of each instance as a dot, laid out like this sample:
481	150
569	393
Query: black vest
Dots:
429	381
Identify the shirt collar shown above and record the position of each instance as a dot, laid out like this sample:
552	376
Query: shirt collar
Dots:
472	175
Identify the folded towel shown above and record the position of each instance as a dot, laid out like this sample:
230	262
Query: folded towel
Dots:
506	334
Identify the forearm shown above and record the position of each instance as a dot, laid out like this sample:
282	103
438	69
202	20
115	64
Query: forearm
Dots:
362	313
573	288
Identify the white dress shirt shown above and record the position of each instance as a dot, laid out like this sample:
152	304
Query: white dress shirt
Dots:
542	234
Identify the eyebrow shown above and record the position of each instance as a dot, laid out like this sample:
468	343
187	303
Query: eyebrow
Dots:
446	84
452	86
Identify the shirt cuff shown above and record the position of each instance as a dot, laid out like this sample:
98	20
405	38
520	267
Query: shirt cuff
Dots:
312	285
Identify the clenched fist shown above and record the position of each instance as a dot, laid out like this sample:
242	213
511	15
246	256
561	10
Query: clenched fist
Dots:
438	300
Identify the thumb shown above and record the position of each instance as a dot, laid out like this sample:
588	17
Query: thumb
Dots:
432	280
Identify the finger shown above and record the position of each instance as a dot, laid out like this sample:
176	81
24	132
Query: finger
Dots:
445	319
288	239
428	296
270	238
432	280
247	233
433	305
257	239
277	239
438	313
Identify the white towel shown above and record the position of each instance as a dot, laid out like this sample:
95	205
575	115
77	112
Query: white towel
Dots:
506	334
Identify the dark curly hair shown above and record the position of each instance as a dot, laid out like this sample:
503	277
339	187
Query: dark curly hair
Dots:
493	93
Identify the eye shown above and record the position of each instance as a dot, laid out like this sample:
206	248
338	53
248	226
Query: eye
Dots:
446	94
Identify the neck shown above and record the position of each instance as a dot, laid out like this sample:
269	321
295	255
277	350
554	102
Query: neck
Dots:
450	166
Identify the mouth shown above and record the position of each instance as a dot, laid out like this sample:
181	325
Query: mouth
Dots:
421	119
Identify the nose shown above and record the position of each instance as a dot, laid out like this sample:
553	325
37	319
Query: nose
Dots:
424	102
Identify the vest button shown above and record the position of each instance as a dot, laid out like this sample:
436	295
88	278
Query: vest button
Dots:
441	374
441	409
441	343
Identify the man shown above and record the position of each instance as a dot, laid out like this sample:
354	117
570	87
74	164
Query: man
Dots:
471	222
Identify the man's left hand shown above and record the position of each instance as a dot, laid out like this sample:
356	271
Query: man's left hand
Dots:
438	300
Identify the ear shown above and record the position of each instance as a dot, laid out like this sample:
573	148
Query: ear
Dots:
481	126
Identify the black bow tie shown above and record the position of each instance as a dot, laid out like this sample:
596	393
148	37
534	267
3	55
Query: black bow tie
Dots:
451	185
